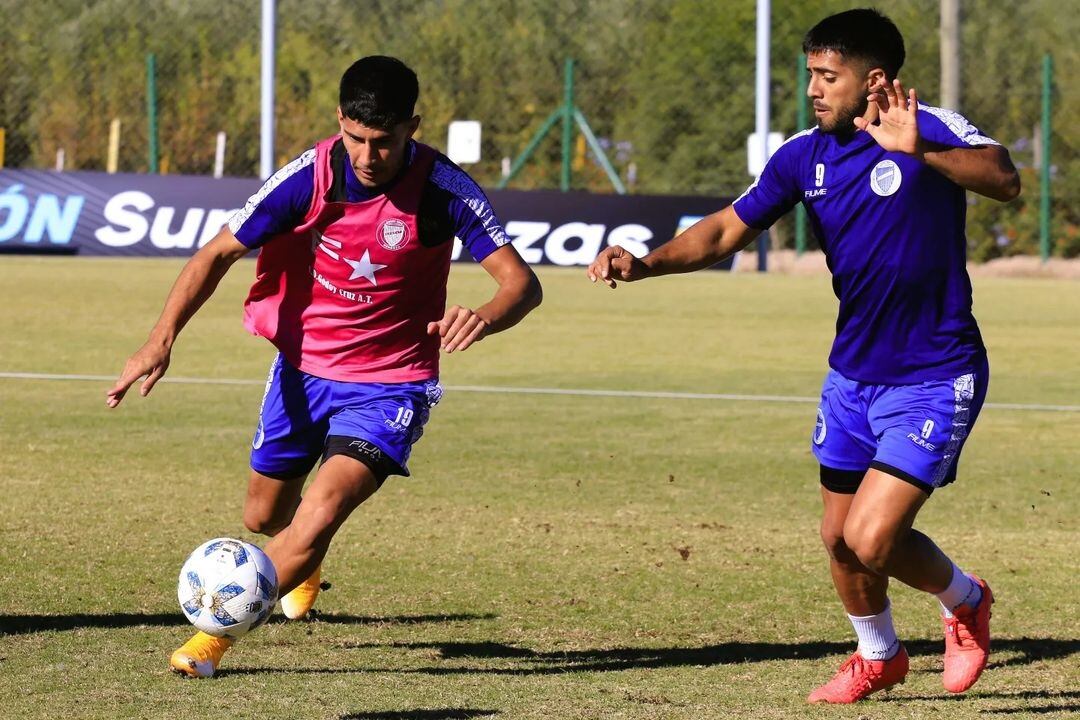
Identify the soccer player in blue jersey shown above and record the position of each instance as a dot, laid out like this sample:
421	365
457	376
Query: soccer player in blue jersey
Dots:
882	178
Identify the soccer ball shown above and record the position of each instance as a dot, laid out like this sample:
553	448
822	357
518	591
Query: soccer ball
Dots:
227	587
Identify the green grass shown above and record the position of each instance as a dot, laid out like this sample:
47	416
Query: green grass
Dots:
553	556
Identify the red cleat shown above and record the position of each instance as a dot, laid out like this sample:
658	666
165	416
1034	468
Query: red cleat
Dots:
859	678
967	642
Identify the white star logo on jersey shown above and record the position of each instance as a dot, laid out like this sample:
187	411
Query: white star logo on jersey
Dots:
364	268
361	268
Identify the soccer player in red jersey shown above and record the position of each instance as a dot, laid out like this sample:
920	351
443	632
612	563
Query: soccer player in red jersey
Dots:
355	239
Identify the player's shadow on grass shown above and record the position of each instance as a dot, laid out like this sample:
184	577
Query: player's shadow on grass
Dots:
513	660
435	714
24	624
1056	695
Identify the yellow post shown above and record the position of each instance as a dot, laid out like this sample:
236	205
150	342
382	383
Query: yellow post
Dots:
579	154
114	146
3	139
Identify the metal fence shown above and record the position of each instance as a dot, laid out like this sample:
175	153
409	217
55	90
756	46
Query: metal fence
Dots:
667	86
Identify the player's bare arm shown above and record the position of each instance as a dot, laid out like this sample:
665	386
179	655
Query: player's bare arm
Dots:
710	240
985	169
518	293
193	287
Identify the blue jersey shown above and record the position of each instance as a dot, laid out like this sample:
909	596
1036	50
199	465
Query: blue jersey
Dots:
451	200
892	229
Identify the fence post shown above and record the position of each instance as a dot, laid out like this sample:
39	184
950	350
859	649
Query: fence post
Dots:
112	160
1044	174
219	155
567	123
151	113
800	124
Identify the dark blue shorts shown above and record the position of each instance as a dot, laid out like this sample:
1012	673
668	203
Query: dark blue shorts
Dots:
914	432
300	411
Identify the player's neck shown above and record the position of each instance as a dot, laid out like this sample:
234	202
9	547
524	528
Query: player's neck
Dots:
358	192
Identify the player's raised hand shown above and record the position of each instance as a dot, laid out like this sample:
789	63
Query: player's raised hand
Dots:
150	361
459	328
615	263
897	129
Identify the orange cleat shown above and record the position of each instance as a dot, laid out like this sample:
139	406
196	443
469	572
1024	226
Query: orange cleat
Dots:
199	656
298	601
859	678
967	642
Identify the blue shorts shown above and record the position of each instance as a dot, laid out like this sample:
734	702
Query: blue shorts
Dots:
913	432
300	412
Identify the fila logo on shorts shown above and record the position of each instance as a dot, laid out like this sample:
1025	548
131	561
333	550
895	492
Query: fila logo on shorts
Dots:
885	178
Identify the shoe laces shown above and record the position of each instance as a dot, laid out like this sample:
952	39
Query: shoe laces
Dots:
856	667
962	626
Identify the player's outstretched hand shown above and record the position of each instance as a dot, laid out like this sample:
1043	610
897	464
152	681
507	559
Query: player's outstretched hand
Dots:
897	112
459	328
616	263
151	361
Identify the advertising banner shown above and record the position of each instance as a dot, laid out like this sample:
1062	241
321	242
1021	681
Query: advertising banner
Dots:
92	213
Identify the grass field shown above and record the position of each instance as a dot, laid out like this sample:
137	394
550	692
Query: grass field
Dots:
554	556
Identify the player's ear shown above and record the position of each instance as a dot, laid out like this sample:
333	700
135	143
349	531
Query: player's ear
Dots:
876	76
413	125
340	116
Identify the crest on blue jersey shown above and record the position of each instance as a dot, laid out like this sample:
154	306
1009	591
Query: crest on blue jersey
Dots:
885	178
820	430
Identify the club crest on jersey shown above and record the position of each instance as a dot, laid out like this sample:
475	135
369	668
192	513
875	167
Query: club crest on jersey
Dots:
393	234
820	429
885	178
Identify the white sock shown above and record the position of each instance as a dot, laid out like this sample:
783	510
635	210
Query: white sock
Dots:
962	590
877	636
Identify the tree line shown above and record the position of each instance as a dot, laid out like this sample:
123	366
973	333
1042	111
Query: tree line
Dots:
667	85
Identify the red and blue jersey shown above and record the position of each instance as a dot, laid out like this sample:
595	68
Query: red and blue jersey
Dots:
348	278
892	229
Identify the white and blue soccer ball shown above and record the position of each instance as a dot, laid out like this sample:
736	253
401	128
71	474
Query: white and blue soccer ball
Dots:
227	587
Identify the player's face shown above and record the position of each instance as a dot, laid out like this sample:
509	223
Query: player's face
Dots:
838	89
376	155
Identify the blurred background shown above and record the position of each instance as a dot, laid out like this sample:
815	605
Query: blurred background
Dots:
666	85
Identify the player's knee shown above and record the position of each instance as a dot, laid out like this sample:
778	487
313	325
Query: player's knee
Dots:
873	545
316	525
262	520
266	517
833	539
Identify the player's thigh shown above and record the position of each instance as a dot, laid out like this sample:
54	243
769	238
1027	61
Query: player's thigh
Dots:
884	506
271	501
339	487
835	507
922	428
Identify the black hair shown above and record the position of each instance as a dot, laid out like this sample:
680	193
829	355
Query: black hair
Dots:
864	34
378	92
